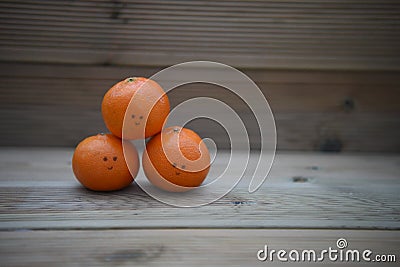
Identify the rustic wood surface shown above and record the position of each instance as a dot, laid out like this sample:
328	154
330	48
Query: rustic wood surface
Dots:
182	247
58	105
306	34
308	202
304	190
329	69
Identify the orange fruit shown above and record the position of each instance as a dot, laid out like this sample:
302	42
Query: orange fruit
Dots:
176	160
146	114
99	163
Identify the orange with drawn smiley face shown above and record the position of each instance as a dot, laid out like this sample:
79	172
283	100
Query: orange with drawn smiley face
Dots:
99	163
176	160
135	108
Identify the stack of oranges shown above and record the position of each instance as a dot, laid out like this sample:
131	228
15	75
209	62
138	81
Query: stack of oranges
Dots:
175	158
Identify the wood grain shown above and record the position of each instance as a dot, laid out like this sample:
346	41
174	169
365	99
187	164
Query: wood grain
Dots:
58	105
330	72
304	190
181	247
256	34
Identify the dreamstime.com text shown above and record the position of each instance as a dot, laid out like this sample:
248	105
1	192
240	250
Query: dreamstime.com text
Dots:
338	254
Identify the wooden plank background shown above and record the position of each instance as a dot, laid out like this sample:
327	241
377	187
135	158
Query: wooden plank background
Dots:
58	105
330	69
334	34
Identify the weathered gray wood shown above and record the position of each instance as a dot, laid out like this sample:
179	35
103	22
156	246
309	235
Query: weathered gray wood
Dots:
328	35
111	72
182	247
304	190
53	105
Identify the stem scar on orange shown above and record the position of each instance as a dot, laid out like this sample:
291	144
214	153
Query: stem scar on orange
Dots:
99	163
176	160
146	113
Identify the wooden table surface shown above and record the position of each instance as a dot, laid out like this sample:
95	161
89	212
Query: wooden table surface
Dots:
308	202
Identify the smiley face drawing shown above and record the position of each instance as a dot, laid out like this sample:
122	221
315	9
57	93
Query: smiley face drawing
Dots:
99	163
113	158
176	160
137	119
175	165
135	108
